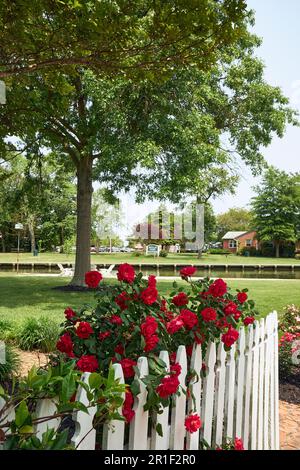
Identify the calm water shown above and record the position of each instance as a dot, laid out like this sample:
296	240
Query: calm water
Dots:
232	273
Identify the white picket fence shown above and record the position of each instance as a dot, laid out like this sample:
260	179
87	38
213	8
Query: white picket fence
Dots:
237	398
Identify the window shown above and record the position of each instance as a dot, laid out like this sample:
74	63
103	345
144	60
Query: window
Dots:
248	242
232	243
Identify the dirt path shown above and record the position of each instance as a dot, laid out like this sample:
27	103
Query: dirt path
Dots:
289	416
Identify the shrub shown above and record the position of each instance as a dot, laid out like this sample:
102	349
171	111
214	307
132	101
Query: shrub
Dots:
134	320
219	251
163	254
289	350
290	320
38	333
62	381
11	365
7	330
251	250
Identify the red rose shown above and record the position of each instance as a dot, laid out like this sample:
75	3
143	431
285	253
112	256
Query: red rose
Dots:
92	279
163	305
69	313
248	321
126	273
242	297
116	320
188	271
199	337
149	327
127	366
189	318
127	410
218	288
237	315
87	364
149	295
119	349
230	308
230	337
65	344
121	300
174	325
180	299
151	342
168	386
222	323
175	369
151	281
209	314
172	357
238	444
104	335
84	330
192	423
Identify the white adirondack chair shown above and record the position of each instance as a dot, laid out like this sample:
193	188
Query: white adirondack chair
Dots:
65	271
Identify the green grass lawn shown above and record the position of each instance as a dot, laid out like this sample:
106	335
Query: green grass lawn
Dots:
107	258
24	296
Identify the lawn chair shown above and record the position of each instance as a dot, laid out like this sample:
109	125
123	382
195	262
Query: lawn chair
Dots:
107	272
65	271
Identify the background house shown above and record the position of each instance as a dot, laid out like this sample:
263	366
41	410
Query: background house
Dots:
235	241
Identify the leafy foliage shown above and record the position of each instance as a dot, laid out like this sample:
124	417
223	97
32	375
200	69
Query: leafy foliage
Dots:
38	333
62	381
11	365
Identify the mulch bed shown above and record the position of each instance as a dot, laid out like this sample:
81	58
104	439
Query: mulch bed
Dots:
289	388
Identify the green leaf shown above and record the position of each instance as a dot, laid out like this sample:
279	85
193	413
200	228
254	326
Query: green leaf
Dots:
22	414
159	429
135	387
95	380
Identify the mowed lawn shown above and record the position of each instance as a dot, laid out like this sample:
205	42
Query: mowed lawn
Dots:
172	258
26	296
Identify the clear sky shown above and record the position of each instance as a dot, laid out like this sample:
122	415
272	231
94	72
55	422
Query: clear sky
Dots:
278	24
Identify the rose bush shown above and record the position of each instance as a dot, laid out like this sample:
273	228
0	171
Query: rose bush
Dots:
131	320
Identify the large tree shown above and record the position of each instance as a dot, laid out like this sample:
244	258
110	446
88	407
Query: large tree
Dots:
116	36
157	135
276	207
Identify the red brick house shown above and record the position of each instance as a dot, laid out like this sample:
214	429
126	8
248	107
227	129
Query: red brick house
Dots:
235	241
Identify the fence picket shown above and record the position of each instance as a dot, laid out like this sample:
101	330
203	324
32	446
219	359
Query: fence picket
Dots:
220	394
46	407
138	431
276	382
272	382
255	384
208	392
248	386
194	401
85	435
260	424
161	442
179	410
230	391
113	433
240	383
268	339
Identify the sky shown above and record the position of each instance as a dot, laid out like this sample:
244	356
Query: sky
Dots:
277	23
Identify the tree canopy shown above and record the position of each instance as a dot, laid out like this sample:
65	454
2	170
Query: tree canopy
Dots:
276	207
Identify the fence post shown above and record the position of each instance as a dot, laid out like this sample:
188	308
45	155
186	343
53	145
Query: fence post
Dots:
113	433
179	410
138	433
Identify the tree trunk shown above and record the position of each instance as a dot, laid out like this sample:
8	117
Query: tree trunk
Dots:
277	249
3	243
83	230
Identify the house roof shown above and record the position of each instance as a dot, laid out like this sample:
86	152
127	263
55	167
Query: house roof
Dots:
233	235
